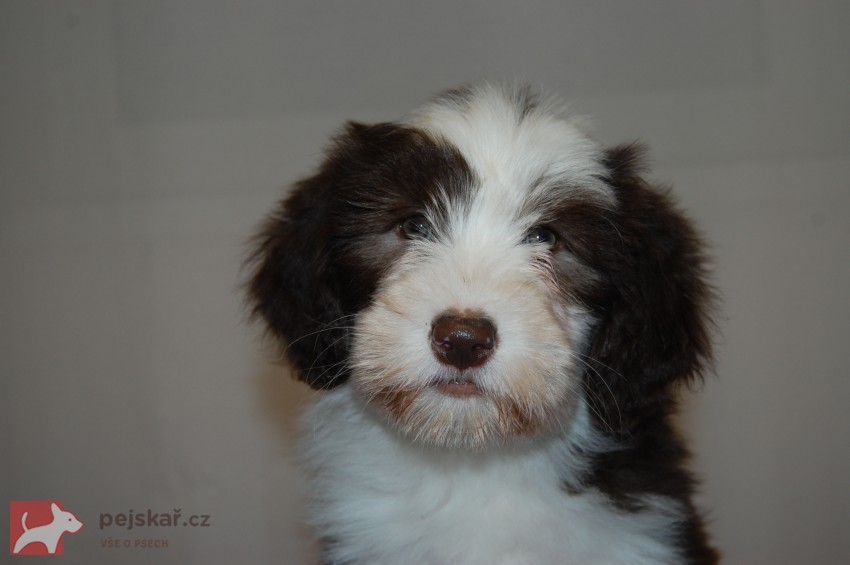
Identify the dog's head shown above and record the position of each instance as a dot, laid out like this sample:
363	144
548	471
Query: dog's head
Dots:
478	269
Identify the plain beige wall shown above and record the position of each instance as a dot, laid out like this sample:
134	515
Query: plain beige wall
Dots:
140	142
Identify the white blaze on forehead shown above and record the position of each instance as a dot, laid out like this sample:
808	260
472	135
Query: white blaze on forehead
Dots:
525	153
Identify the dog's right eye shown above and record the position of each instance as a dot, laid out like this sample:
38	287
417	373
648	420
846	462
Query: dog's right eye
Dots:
416	227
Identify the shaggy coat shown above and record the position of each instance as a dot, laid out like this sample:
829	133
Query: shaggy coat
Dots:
500	313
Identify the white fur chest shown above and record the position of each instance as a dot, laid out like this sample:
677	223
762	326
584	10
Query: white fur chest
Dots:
383	501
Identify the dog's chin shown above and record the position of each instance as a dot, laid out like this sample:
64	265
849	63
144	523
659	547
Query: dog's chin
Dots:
461	413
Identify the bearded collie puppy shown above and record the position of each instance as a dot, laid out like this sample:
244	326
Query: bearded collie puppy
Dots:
499	314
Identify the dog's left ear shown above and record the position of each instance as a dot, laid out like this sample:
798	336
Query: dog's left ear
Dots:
654	330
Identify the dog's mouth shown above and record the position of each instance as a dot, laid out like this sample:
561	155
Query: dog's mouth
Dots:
459	386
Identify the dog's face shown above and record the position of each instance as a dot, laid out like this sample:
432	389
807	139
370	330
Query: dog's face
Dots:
478	270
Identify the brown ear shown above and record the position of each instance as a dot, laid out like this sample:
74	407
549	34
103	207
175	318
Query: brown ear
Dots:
293	286
655	327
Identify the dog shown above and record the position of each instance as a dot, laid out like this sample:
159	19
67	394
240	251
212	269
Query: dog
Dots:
50	533
500	313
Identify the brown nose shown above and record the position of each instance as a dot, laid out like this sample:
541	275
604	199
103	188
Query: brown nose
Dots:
462	341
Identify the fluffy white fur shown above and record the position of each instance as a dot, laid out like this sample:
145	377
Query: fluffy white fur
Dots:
383	500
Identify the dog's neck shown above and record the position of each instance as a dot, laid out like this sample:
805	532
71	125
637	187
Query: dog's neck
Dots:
372	488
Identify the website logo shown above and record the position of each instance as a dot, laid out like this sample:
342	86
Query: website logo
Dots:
37	527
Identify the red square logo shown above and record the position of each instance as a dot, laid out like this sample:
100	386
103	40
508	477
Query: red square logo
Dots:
36	527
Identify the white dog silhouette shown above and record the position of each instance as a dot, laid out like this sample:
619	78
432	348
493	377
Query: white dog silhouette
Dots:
48	534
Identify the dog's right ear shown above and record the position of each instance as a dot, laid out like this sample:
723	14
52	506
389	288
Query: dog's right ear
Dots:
294	286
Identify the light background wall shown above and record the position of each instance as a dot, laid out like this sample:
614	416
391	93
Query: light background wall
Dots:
142	141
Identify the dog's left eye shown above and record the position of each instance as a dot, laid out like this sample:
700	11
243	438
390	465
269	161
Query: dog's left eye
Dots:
539	235
416	227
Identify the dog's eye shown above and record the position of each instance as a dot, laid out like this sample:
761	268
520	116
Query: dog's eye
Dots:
416	227
539	235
